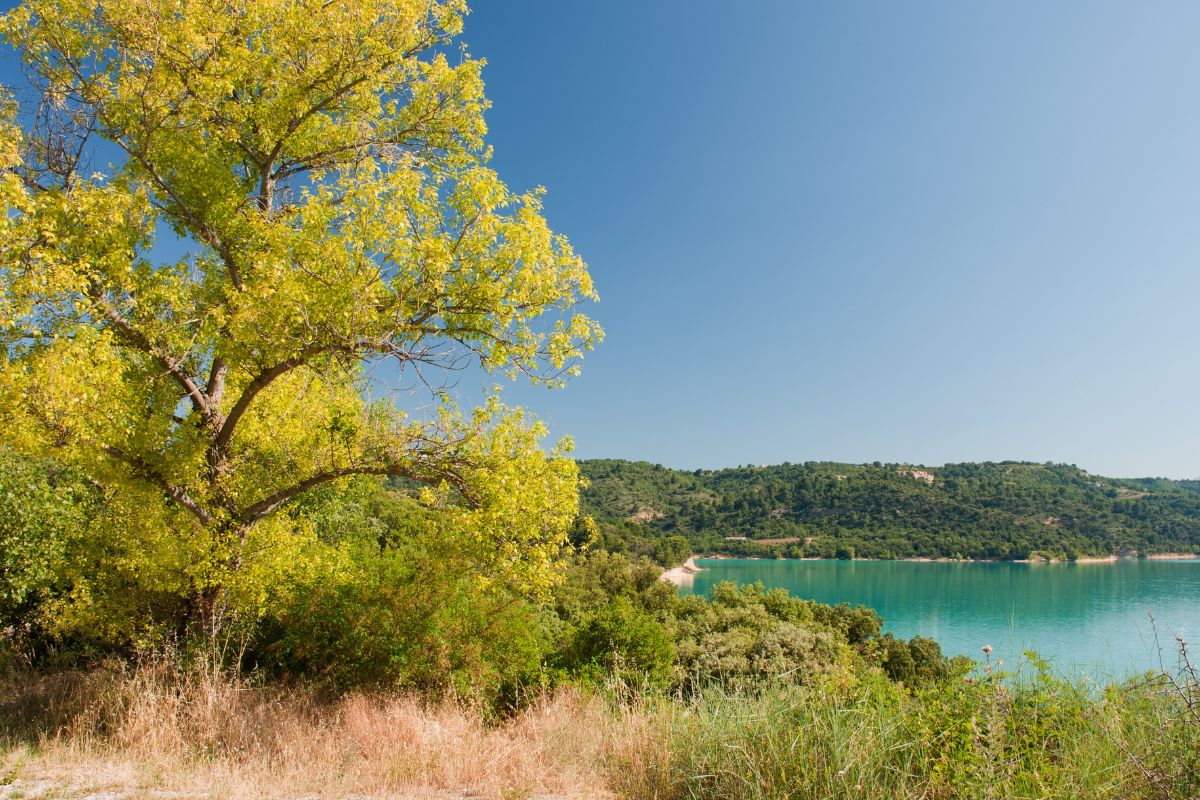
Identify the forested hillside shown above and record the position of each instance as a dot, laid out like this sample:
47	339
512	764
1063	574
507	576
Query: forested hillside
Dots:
1006	510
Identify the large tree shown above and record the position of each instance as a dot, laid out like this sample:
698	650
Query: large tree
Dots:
222	219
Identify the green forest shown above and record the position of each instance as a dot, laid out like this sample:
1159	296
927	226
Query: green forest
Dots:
992	510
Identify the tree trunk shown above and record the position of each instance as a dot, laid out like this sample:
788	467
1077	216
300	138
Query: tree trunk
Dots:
200	620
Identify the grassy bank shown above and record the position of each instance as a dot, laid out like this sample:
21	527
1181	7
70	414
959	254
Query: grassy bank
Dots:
159	730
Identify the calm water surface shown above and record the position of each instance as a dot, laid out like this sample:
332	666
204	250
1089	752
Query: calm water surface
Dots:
1085	618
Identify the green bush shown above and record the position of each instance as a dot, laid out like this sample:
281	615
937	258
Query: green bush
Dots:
858	624
620	640
405	619
747	636
43	508
595	579
917	662
672	551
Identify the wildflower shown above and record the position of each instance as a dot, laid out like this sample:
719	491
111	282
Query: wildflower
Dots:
987	648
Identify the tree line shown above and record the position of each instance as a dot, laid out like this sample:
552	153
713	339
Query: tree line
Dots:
990	510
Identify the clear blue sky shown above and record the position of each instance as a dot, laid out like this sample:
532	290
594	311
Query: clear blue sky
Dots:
921	232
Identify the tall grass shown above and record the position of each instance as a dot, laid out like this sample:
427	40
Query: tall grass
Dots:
203	730
989	735
200	730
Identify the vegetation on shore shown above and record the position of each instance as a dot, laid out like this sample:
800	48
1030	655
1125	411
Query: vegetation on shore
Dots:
401	674
999	511
381	597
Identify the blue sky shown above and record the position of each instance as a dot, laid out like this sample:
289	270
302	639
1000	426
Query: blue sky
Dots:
921	232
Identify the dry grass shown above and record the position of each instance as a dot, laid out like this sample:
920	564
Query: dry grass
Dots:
157	731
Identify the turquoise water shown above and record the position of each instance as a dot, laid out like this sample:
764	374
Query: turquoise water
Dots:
1089	619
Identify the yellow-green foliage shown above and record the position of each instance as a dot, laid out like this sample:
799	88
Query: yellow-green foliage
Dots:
416	617
303	194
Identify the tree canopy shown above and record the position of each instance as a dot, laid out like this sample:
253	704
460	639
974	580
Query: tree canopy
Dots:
222	220
1006	510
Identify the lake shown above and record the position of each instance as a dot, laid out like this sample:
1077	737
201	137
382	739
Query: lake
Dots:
1087	619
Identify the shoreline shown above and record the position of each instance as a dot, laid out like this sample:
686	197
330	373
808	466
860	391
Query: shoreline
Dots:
692	568
683	573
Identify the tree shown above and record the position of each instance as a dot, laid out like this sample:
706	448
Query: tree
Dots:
300	194
672	551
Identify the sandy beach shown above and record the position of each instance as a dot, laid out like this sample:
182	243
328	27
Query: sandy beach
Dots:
682	574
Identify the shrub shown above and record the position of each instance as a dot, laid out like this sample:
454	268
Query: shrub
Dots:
407	618
672	551
747	637
917	662
622	640
858	624
43	506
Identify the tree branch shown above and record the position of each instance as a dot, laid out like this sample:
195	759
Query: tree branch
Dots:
143	343
215	386
207	234
252	514
261	381
174	492
119	135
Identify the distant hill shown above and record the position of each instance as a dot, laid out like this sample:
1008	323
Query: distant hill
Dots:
1005	510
